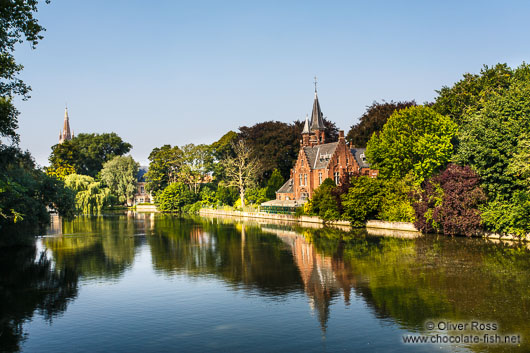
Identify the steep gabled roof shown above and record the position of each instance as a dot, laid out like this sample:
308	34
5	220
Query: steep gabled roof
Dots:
317	120
306	129
360	158
140	177
320	155
286	188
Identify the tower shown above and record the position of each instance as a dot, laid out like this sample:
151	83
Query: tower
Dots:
65	134
317	119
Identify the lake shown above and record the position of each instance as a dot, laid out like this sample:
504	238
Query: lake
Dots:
160	283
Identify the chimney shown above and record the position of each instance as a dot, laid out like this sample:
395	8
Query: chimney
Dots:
323	137
305	140
341	136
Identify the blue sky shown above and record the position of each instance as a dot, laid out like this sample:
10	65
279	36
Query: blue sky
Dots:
177	72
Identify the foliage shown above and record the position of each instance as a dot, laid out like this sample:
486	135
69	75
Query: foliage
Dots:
18	25
174	197
275	144
164	166
226	195
469	95
196	162
257	196
450	203
373	120
220	150
362	201
414	139
90	196
87	152
25	192
119	174
396	205
275	182
508	217
60	171
324	202
242	170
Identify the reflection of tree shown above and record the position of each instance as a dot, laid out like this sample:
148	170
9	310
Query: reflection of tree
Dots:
198	247
27	286
99	246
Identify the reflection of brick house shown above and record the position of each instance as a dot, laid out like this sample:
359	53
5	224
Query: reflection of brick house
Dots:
141	196
318	160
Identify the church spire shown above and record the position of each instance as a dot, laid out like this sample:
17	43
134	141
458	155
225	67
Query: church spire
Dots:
65	134
317	120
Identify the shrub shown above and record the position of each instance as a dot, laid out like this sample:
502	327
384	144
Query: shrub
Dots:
362	201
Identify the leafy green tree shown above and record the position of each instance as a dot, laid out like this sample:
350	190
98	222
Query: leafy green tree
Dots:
414	139
275	182
87	152
164	166
396	202
174	197
119	174
220	150
324	203
373	120
471	93
226	195
18	25
363	200
90	196
195	165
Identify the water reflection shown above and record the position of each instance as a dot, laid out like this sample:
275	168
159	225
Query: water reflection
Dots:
29	284
400	281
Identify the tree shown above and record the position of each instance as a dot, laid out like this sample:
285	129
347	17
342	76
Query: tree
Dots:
242	170
174	197
363	200
414	139
449	203
324	202
275	144
25	192
119	174
90	196
469	94
373	120
275	182
220	150
87	152
18	25
164	166
195	164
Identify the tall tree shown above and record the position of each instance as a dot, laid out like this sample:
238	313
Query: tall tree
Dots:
90	196
470	93
414	139
242	170
196	164
164	167
119	174
373	120
87	152
18	25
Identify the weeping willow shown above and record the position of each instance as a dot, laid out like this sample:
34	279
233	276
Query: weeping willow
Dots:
91	197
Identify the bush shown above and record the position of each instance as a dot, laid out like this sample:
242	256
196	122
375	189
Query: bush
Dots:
324	202
362	201
450	203
396	203
174	197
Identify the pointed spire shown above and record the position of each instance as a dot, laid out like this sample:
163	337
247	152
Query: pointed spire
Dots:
317	120
306	125
65	134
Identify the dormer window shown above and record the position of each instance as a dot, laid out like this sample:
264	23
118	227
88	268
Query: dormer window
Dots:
363	157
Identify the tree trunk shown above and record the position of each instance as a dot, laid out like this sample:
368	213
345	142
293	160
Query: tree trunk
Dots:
242	195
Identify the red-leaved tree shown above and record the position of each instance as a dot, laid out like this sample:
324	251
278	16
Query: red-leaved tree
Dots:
449	202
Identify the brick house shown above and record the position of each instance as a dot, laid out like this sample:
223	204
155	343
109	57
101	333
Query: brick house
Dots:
319	159
141	196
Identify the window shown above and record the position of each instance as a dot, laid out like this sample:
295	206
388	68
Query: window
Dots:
319	178
300	180
336	174
302	162
347	161
305	179
142	189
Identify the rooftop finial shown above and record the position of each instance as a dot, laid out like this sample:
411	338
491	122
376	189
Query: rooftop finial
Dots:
315	82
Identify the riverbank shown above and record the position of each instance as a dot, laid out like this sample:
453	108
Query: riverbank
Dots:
375	224
372	225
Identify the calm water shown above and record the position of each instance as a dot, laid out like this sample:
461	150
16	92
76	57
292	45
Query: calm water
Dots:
141	282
